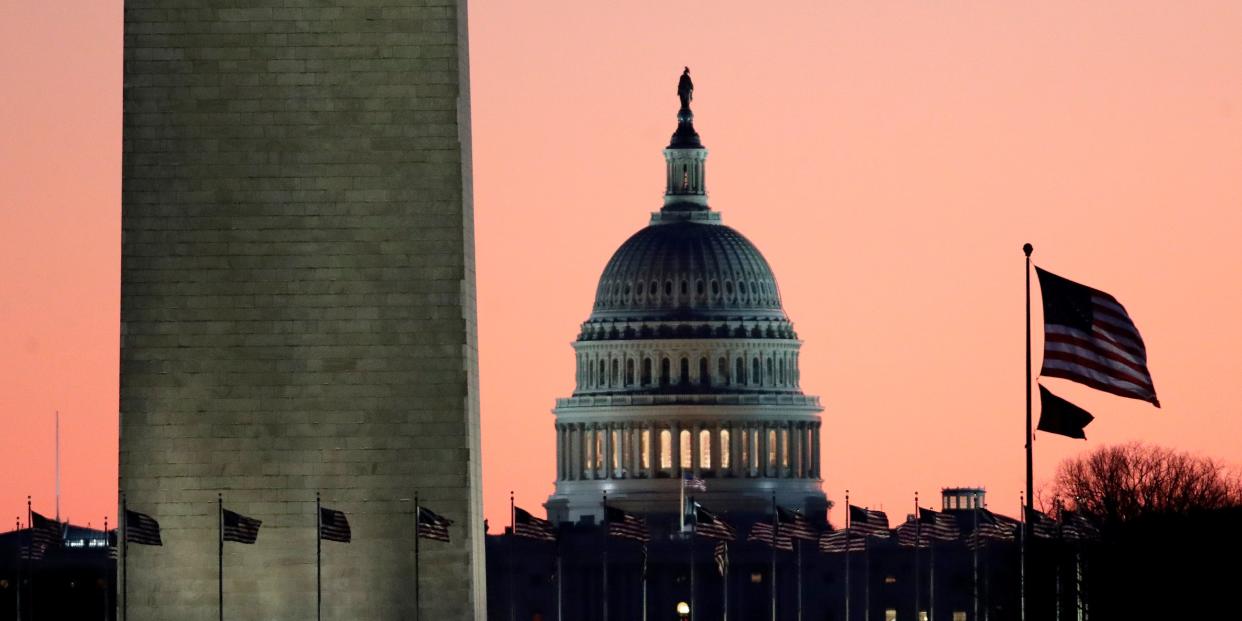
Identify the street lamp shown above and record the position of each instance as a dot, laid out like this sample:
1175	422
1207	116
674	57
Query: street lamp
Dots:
683	610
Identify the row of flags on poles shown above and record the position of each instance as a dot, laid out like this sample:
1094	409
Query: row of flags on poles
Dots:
143	529
790	525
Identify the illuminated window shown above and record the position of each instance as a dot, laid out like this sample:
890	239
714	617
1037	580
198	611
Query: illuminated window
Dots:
959	615
725	449
754	452
666	450
644	456
771	450
890	579
922	615
705	450
687	461
784	448
890	615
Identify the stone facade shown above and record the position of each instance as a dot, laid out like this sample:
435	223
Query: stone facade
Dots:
298	304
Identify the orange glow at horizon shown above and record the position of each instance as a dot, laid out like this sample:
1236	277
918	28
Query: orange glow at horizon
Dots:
889	161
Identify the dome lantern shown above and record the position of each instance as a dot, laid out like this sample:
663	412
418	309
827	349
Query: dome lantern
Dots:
685	159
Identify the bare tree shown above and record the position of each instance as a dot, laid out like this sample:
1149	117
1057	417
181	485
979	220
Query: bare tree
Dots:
1116	484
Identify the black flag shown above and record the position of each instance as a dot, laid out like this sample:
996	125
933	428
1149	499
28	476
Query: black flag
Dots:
1062	417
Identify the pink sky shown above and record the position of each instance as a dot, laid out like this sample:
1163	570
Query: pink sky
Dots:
888	159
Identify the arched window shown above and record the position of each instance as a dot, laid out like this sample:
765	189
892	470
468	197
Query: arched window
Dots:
782	370
615	379
646	371
754	452
770	376
705	378
629	371
664	371
726	450
686	457
685	370
590	374
722	371
603	373
756	372
740	371
600	439
666	450
705	450
618	449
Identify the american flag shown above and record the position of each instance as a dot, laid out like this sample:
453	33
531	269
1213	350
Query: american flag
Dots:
868	521
796	524
1076	527
432	526
240	528
1042	526
1089	338
142	529
693	483
333	526
709	525
626	525
993	527
721	554
937	525
842	541
44	533
531	527
762	532
912	535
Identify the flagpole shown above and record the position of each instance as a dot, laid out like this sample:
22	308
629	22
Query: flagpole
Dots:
798	548
917	541
124	518
17	526
418	524
931	580
866	579
318	558
724	586
1027	249
512	564
220	555
776	531
604	556
1022	557
847	556
974	585
694	526
560	583
107	581
644	581
30	558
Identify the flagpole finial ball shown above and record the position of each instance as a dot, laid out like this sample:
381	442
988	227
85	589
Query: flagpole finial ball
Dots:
1028	249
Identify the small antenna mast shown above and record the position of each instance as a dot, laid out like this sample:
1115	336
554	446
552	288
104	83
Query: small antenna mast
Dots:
58	465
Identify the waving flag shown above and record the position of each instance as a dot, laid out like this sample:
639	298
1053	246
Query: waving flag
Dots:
763	531
1090	339
531	527
432	526
142	529
796	525
626	525
333	526
937	525
240	528
693	483
868	521
709	525
842	541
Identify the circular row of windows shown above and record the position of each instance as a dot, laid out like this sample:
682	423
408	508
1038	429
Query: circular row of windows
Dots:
617	292
763	371
602	331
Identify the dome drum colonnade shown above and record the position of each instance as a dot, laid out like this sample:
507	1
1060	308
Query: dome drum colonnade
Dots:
687	364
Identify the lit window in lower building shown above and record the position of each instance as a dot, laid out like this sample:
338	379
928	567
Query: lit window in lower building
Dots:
890	615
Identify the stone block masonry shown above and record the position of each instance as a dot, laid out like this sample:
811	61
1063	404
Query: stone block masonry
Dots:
298	304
